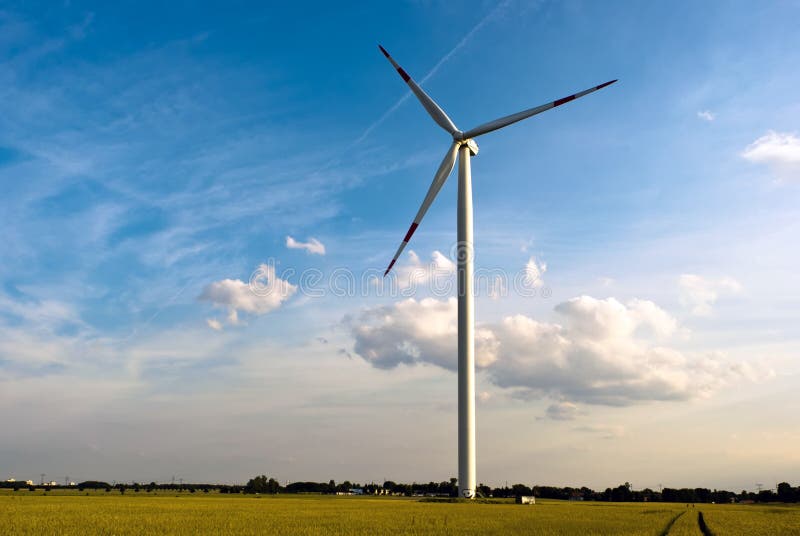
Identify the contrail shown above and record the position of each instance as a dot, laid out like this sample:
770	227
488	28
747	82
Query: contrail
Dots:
464	40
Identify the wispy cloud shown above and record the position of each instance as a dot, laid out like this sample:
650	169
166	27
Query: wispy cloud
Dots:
496	12
706	115
700	294
313	246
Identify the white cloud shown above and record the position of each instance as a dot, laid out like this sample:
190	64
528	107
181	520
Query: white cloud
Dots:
313	246
699	294
214	324
411	332
706	115
47	314
265	292
534	273
435	274
606	352
779	150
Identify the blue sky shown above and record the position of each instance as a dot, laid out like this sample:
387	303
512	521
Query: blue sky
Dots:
153	158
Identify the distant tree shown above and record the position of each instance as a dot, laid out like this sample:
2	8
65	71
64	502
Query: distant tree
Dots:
93	484
262	484
622	493
766	495
702	495
786	493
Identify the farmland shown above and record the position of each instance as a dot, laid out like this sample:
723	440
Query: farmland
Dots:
73	513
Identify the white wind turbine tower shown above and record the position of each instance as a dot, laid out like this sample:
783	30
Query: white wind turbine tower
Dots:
464	146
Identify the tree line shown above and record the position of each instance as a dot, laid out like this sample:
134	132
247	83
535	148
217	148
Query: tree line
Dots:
263	484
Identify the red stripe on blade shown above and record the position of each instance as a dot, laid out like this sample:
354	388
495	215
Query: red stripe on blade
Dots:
559	102
384	51
405	76
601	86
410	232
389	268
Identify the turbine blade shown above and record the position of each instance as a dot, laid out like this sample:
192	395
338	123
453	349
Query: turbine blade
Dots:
428	103
438	181
519	116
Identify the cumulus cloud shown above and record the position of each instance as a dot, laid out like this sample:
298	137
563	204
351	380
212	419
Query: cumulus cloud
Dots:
214	324
313	246
604	352
778	150
264	292
706	115
699	294
411	332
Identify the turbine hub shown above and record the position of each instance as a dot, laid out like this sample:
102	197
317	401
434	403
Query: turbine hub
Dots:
473	147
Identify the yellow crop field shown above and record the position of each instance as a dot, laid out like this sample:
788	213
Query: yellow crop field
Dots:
184	513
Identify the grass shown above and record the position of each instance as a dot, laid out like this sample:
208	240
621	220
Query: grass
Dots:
73	513
754	521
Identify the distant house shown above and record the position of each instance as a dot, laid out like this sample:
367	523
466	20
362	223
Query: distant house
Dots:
11	480
356	491
526	499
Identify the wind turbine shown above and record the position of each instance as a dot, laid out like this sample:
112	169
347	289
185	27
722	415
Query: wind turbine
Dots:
464	147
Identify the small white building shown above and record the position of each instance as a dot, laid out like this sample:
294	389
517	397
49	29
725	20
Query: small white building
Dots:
526	499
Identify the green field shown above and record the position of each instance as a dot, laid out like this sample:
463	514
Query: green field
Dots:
73	513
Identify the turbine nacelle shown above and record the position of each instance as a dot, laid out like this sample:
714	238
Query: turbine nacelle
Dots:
473	146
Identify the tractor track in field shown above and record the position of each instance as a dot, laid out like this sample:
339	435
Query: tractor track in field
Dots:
671	522
701	523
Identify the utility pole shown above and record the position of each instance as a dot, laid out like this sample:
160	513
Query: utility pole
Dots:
42	481
759	486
